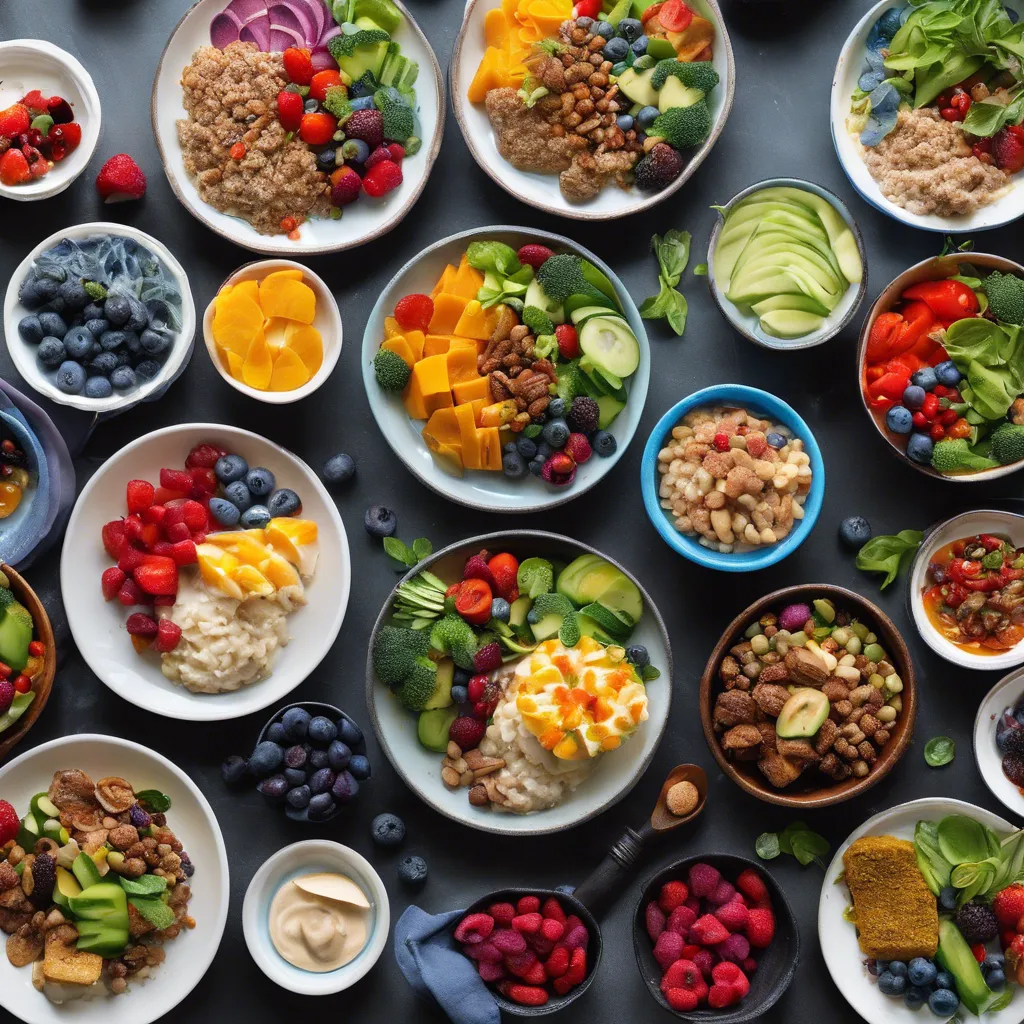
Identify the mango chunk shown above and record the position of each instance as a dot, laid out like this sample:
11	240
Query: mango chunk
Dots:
468	436
306	343
476	322
398	344
489	446
461	363
237	320
468	280
442	428
274	330
447	310
472	390
251	289
446	278
415	340
282	295
258	365
392	327
289	371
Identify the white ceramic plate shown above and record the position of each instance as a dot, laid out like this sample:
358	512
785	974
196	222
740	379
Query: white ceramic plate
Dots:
612	778
987	755
541	190
838	937
192	820
27	64
849	150
968	524
98	627
327	321
24	355
488	490
310	857
364	219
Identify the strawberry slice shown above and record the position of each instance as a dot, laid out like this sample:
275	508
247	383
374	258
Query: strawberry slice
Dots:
154	514
176	532
195	516
184	552
204	456
133	527
176	480
165	495
157	575
130	593
111	581
204	482
167	636
129	558
140	494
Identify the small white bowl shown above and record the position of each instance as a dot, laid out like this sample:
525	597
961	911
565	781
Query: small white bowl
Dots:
98	626
987	755
327	321
192	820
24	355
27	64
851	64
967	524
308	857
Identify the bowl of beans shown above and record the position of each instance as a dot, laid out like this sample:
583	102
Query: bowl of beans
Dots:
732	478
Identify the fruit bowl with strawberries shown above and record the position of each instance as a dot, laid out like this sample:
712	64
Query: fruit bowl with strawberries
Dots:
49	119
196	531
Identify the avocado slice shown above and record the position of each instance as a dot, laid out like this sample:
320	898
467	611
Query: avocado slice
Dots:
805	303
15	635
660	49
383	13
536	296
85	870
618	12
790	323
674	94
43	807
519	610
609	342
592	579
636	85
432	727
802	715
547	626
442	695
588	627
608	621
66	886
608	407
955	956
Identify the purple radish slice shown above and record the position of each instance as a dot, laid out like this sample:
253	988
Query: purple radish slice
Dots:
322	60
248	11
281	38
793	617
257	32
318	16
292	19
224	29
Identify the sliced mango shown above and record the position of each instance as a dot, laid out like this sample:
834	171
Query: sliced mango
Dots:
237	320
472	390
489	444
446	278
447	310
468	436
449	458
281	294
397	344
274	330
233	362
476	322
306	343
467	280
461	363
289	371
415	340
258	365
442	428
251	289
496	28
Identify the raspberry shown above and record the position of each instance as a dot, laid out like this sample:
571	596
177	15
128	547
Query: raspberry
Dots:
760	927
735	948
466	733
113	536
534	255
527	923
414	312
703	879
379	154
583	414
501	912
540	945
204	456
1009	906
345	187
490	972
578	447
528	905
720	996
576	937
525	995
382	179
708	931
488	658
733	915
673	894
7	692
140	495
658	169
176	480
140	624
397	151
367	125
723	893
558	963
654	919
474	928
727	973
10	824
680	920
568	341
682	1000
668	949
552	910
111	581
519	963
486	951
694	904
476	567
751	884
509	941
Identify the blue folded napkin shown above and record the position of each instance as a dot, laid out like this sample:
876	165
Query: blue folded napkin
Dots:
435	969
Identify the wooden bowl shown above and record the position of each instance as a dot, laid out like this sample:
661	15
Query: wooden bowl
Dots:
42	686
803	794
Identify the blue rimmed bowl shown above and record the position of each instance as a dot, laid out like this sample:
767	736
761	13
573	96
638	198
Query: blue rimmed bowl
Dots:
755	400
21	531
311	857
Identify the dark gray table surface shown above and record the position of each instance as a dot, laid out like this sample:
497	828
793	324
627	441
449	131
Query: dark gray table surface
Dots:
785	56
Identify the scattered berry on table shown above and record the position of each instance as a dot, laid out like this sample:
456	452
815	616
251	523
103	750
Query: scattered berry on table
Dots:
854	532
380	521
388	830
412	870
339	469
120	178
234	770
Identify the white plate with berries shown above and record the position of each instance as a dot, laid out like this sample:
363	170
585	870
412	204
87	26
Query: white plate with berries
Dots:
136	556
367	217
63	108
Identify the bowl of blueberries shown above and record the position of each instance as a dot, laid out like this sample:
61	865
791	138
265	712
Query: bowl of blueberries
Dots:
309	759
99	317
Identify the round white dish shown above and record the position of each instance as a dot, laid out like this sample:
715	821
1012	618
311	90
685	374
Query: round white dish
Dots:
364	220
612	778
488	490
309	857
1008	208
98	627
27	64
192	820
24	355
327	321
542	190
987	755
838	937
967	524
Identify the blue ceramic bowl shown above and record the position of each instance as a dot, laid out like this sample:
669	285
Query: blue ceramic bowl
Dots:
22	531
757	401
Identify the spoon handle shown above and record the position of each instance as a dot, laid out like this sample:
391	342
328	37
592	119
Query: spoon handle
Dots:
603	885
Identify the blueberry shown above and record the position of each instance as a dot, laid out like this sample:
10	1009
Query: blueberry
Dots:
276	733
299	796
224	511
639	46
556	408
359	766
604	443
500	609
52	353
615	49
321	780
296	756
98	387
915	997
630	29
510	448
948	897
913	396
625	122
943	1002
238	494
94	311
898	968
891	984
361	103
30	329
994	962
111	340
536	466
338	755
266	758
345	787
924	378
326	159
322	731
646	116
556	432
260	482
350	733
899	420
526	446
295	722
154	342
605	29
28	293
873	969
638	655
274	789
78	342
295	776
234	770
47	288
284	502
921	972
256	517
319	759
585	23
339	469
996	980
53	324
461	677
70	377
854	532
310	106
355	150
321	807
387	830
380	521
117	309
412	870
74	294
97	326
123	378
544	451
947	374
460	694
513	465
148	369
139	318
131	342
919	449
230	468
945	980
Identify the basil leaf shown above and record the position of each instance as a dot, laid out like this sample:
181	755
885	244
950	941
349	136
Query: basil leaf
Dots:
398	550
886	554
810	847
939	750
701	270
154	910
656	307
422	548
993	560
766	846
673	253
154	800
676	313
145	885
649	673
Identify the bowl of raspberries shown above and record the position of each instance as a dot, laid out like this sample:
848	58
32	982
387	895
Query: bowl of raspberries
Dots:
714	936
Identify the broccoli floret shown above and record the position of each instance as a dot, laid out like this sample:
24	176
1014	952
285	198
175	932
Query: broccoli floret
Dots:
345	46
336	102
418	686
398	119
700	75
391	370
1008	443
454	636
395	649
954	455
538	321
545	346
6	597
549	604
684	127
1005	297
561	276
569	633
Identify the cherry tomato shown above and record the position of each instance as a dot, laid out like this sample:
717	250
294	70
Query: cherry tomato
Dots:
938	432
22	684
298	65
473	601
675	16
884	337
317	129
930	406
321	82
587	9
948	417
289	110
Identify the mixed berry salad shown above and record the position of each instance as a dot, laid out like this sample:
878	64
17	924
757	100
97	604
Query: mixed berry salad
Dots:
943	371
518	361
35	133
597	93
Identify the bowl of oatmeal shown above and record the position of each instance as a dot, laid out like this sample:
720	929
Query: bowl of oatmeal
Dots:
732	478
926	170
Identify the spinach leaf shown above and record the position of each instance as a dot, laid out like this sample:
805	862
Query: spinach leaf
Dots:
145	885
964	840
939	750
154	910
986	117
886	554
673	254
153	800
930	861
407	556
796	840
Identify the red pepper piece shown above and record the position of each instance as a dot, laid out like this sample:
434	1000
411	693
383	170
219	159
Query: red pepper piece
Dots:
948	300
889	386
883	340
473	601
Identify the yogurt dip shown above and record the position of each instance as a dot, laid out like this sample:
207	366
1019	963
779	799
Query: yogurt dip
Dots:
319	922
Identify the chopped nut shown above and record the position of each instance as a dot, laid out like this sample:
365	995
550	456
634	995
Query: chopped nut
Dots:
478	795
777	673
742	741
799	750
778	770
770	698
806	668
734	707
454	751
450	777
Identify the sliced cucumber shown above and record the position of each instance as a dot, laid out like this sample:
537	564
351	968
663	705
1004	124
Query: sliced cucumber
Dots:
610	344
583	313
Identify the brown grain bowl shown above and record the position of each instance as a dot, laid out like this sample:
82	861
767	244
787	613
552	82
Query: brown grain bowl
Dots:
42	686
802	794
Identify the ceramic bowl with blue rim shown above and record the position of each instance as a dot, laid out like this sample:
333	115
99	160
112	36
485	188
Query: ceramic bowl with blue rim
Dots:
313	857
23	529
763	404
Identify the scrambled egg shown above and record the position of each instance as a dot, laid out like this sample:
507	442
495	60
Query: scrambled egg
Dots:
579	702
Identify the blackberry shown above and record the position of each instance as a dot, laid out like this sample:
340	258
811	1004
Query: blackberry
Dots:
977	922
583	414
658	169
1013	768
